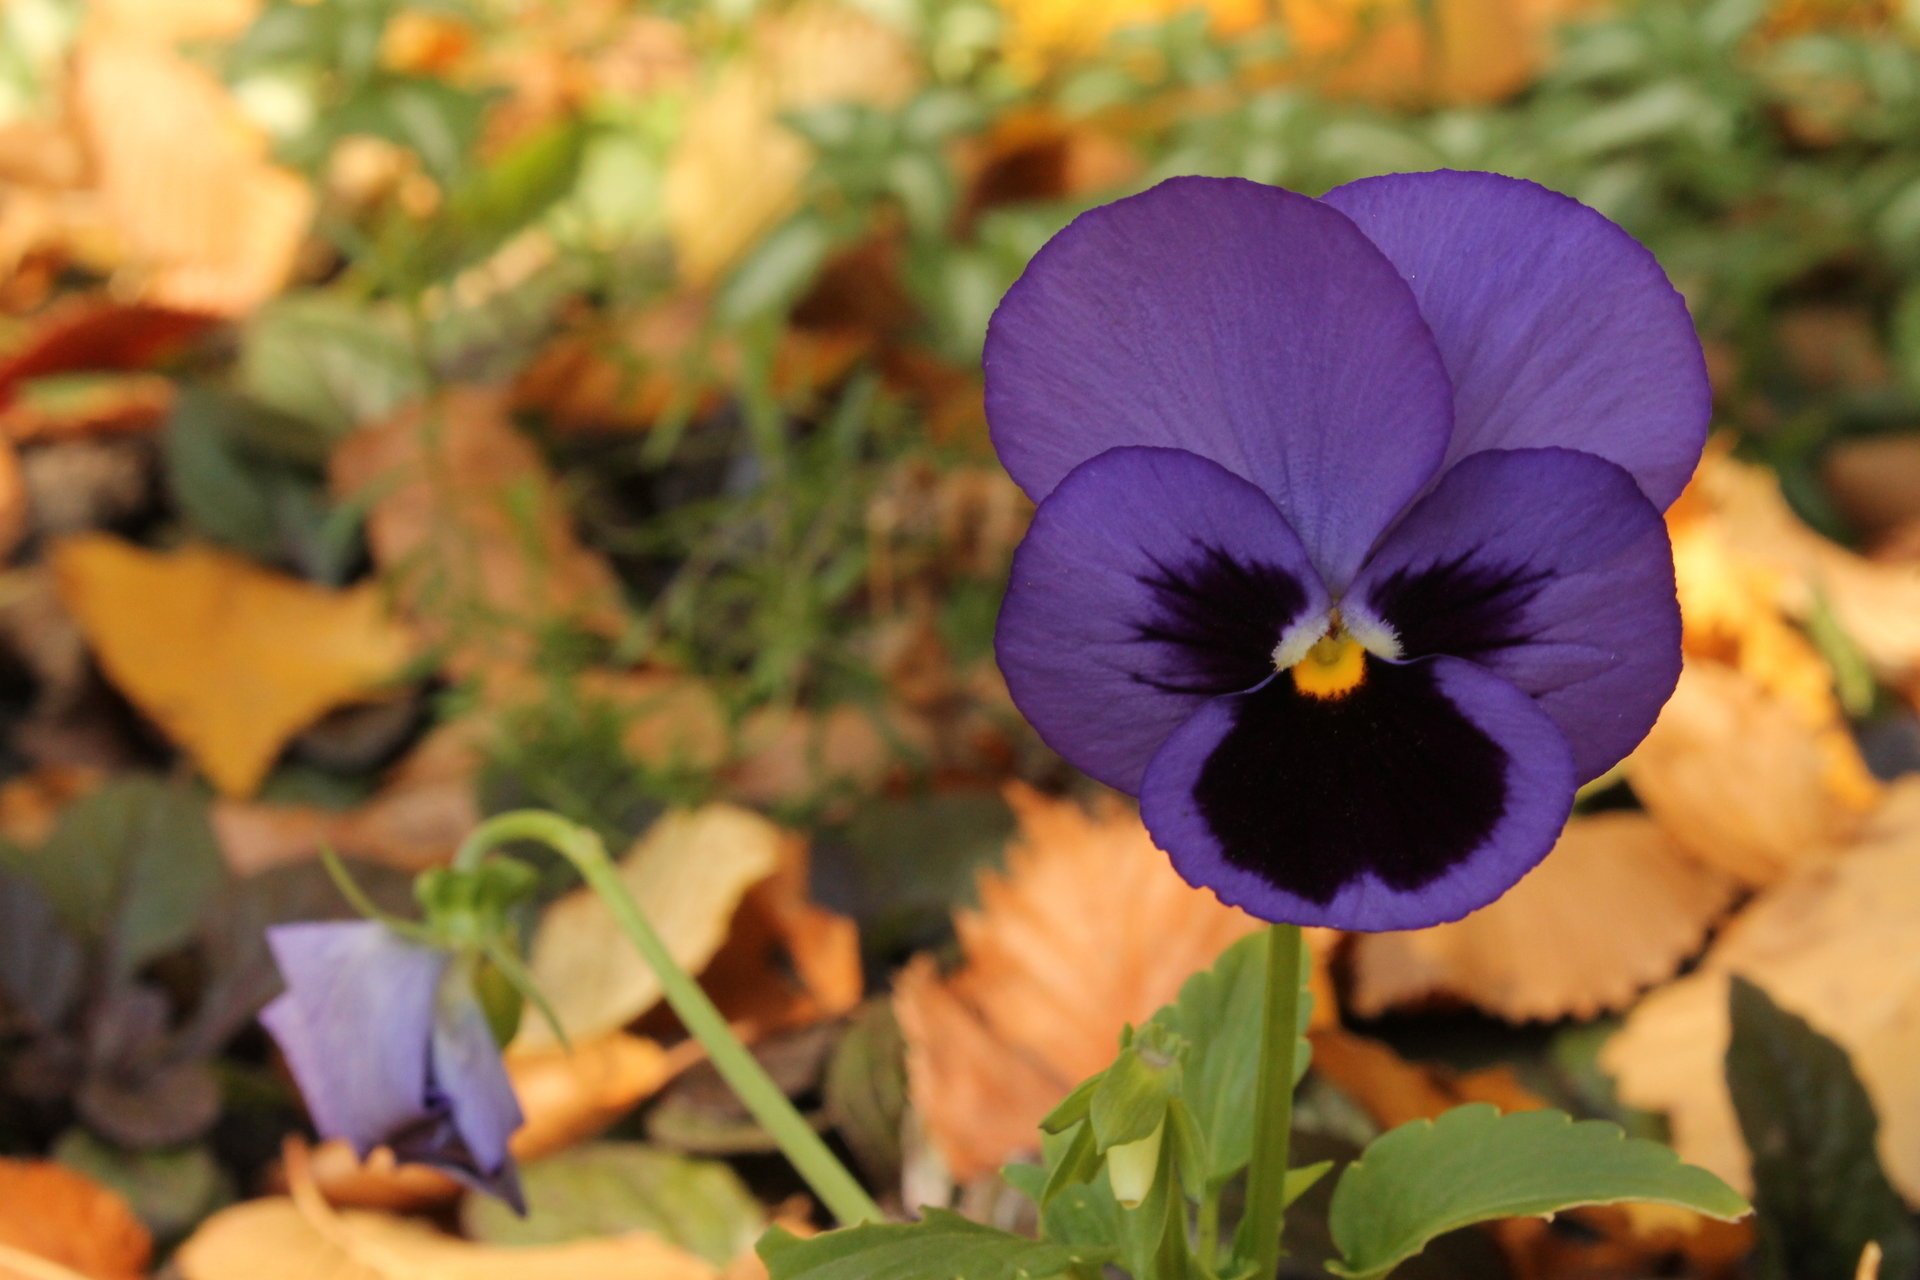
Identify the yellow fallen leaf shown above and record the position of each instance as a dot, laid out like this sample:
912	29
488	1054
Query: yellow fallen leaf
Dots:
566	1096
1416	52
1088	929
172	21
1043	33
1834	944
1616	907
1737	777
1870	1259
209	222
736	168
471	527
228	659
689	874
49	1212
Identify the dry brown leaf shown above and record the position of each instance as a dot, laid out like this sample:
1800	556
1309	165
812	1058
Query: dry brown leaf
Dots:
228	659
689	874
471	526
89	333
14	515
567	1097
1397	52
736	168
49	1211
423	809
628	375
1736	776
1615	908
1875	482
1835	945
1393	1090
785	754
209	222
1088	929
1877	604
303	1238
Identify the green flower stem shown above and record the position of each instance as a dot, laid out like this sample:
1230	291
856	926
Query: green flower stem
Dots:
838	1190
1273	1103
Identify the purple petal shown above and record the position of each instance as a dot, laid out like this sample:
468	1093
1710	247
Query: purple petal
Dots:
355	1024
1241	322
1150	581
1558	327
1422	794
1550	568
469	1075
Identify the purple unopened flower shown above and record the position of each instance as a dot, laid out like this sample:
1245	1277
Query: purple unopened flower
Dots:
1349	559
390	1047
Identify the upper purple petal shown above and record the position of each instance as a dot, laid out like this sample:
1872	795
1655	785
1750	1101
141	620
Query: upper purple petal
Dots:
1558	328
355	1024
1550	567
1422	794
1250	325
1150	581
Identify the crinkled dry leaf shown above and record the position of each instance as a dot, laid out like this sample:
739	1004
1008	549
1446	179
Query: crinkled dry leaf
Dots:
736	168
49	1211
1833	944
228	659
567	1097
422	811
303	1238
630	374
1734	773
471	526
1416	52
689	874
1088	929
209	222
1615	908
1877	604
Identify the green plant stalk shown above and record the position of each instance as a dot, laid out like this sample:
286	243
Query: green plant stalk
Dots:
838	1190
1259	1235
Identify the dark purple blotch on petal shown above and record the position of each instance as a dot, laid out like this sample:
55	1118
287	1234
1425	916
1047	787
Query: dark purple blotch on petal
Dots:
389	1046
1223	612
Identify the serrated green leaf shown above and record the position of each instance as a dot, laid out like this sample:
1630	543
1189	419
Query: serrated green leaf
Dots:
1819	1190
941	1246
1473	1164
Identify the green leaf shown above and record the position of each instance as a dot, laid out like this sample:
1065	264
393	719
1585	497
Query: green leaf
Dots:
1218	1014
1131	1099
773	275
864	1091
941	1246
1473	1165
170	1190
329	362
1819	1189
610	1188
133	866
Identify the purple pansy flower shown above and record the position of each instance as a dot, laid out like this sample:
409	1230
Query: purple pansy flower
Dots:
1349	558
391	1048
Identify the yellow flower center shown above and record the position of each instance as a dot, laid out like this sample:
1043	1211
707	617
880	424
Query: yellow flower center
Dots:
1333	668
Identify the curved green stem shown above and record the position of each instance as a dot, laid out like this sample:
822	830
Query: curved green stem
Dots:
838	1190
1259	1236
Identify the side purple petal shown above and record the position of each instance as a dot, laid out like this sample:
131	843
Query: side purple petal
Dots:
1549	567
355	1024
469	1073
1558	328
1424	793
1250	325
1150	581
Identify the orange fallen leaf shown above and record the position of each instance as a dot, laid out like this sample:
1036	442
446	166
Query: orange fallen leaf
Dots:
209	222
1737	777
48	1211
173	21
1088	929
1833	943
1044	33
301	1237
1393	1090
228	659
30	805
567	1097
736	169
1616	907
89	333
1416	52
425	806
14	516
470	525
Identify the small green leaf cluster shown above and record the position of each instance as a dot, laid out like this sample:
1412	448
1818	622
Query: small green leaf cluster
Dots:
1142	1159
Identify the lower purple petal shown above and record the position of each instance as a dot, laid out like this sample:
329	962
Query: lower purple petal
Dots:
1549	567
1151	581
1424	793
